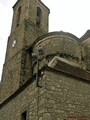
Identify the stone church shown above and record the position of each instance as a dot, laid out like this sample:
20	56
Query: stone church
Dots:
46	76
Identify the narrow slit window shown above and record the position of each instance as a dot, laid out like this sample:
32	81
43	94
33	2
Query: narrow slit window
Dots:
18	15
24	116
38	17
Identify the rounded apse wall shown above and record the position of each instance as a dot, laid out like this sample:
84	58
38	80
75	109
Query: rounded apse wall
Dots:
86	53
60	44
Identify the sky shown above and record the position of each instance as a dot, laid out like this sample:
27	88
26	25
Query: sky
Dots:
67	15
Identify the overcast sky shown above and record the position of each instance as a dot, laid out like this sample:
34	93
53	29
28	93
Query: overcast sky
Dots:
67	15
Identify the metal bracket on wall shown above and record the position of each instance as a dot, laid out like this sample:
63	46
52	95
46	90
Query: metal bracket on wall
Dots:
36	57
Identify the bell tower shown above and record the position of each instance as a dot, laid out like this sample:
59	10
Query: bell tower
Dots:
30	20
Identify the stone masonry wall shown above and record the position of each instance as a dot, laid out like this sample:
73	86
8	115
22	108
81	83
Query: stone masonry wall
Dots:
60	98
11	76
67	97
60	45
86	53
31	99
16	72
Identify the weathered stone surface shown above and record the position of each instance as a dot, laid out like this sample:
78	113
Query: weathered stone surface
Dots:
18	65
69	97
63	93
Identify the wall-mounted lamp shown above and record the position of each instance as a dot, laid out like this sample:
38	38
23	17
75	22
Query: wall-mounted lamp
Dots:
36	58
40	50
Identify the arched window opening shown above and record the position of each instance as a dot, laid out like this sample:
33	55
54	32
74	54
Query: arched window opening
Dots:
38	18
18	15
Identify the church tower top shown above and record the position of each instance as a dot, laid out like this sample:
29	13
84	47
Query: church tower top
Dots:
35	11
